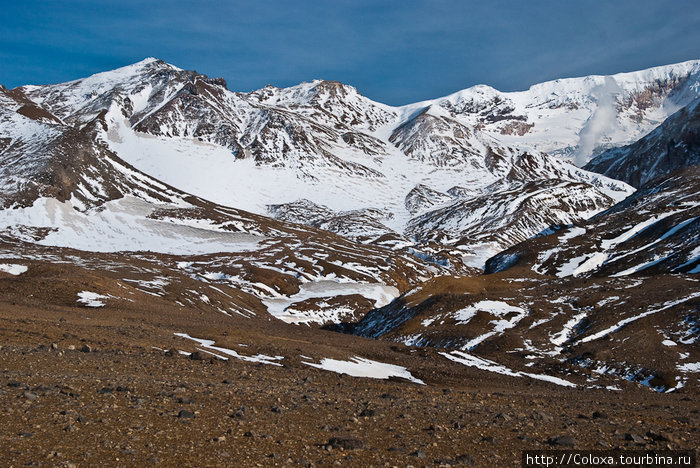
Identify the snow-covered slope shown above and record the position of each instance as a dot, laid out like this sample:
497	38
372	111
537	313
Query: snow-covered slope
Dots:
672	145
377	169
657	229
579	117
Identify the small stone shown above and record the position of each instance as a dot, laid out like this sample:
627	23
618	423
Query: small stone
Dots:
184	414
657	437
346	443
86	349
637	439
465	459
197	356
30	396
562	441
367	413
503	417
419	454
54	346
599	415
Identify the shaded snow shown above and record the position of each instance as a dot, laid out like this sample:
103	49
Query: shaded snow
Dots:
121	225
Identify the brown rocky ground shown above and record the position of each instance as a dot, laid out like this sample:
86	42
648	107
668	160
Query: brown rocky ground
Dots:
85	386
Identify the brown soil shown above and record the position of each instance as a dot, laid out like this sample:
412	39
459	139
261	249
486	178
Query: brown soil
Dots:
125	403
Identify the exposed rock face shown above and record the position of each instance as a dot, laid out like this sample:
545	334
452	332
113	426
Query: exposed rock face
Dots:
671	146
654	230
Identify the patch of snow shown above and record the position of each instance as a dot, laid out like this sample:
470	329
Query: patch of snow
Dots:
280	306
496	308
561	337
628	320
361	367
121	225
13	269
91	299
484	364
689	367
209	345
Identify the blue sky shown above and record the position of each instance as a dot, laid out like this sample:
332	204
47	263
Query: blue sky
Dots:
393	51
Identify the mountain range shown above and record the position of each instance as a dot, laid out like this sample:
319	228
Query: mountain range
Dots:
500	223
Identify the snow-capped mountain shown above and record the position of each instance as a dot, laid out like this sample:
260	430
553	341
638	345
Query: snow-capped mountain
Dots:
654	230
378	210
579	117
364	161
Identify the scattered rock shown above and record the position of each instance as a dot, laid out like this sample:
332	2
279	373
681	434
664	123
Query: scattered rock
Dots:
184	414
31	396
419	454
637	439
86	349
599	415
657	437
502	417
465	459
562	441
197	356
346	443
367	413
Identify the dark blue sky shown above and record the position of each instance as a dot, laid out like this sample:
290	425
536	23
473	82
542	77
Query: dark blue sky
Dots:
393	51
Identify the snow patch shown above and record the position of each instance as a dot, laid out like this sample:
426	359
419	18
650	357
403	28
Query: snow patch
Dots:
361	367
91	299
209	345
13	269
